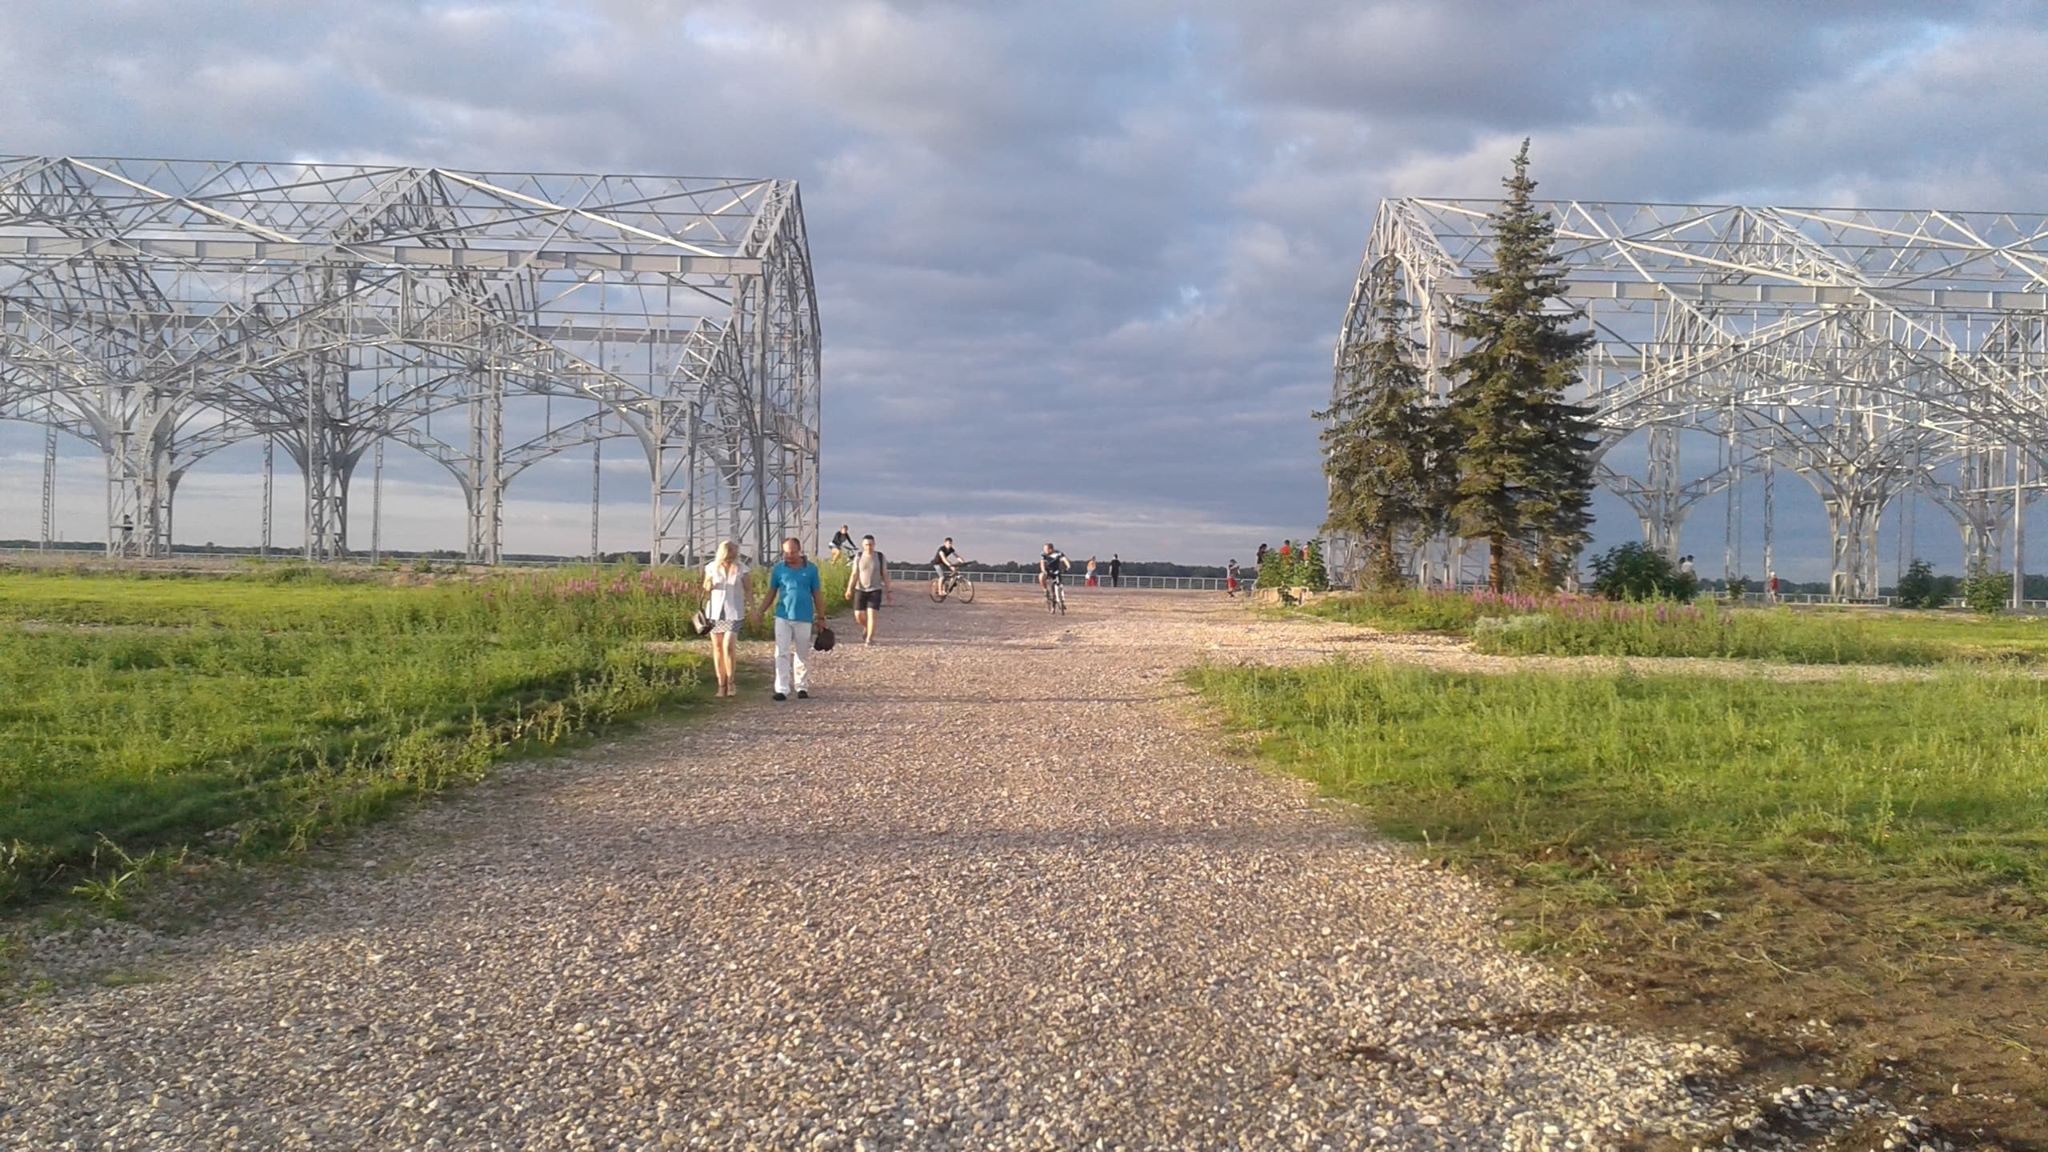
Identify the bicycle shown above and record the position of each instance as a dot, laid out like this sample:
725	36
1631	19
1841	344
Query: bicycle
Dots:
1055	595
952	584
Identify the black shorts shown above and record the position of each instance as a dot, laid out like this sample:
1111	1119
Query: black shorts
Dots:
866	599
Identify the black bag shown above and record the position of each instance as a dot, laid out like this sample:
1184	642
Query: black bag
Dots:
822	638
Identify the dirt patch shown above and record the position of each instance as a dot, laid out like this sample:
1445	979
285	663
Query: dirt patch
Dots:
1848	981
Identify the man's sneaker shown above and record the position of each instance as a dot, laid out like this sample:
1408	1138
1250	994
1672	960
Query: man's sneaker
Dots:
780	696
803	694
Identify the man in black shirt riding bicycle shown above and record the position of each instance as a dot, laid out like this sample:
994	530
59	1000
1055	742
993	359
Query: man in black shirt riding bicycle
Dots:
1050	564
946	562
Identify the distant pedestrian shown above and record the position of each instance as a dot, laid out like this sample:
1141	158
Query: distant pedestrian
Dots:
1286	549
1230	578
1685	567
725	582
1090	580
1116	571
867	586
1771	583
1259	561
797	598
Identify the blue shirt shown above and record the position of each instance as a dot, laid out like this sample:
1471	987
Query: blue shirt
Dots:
794	588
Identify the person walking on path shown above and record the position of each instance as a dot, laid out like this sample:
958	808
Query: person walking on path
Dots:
726	582
1259	561
1230	578
797	598
867	586
1116	571
1090	581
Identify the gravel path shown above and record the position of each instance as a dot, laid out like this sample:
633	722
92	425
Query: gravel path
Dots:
995	887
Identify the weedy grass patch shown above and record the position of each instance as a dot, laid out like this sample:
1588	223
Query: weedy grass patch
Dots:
1948	775
1562	625
1746	856
142	716
1697	779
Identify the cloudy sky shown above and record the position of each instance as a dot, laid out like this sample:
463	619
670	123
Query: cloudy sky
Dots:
1080	264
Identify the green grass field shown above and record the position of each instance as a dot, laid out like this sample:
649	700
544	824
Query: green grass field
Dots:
1577	626
1744	856
248	713
1697	779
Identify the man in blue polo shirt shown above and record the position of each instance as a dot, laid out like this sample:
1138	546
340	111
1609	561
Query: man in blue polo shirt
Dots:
797	597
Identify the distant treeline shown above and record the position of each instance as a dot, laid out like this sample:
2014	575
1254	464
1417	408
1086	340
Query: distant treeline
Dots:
278	552
2036	585
1130	567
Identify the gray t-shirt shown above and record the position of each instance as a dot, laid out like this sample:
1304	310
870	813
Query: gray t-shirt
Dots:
867	570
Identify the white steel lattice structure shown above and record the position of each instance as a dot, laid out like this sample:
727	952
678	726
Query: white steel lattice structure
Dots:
161	310
1871	352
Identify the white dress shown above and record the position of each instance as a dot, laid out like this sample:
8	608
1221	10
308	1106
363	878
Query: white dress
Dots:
726	598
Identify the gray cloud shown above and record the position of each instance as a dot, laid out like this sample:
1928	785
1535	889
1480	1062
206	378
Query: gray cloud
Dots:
1080	264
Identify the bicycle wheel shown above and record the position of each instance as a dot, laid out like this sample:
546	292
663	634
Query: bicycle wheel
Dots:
965	591
938	589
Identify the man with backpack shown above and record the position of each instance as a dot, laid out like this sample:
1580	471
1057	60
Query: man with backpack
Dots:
866	586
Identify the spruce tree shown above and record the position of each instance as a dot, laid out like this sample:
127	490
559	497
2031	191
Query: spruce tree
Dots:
1377	447
1524	454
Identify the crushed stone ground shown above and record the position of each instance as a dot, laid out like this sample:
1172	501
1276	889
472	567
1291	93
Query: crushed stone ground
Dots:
996	886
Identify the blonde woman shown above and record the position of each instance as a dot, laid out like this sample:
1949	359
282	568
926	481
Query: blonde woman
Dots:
726	582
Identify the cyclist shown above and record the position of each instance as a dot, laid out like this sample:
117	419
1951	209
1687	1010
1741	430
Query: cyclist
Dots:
946	564
843	547
1051	563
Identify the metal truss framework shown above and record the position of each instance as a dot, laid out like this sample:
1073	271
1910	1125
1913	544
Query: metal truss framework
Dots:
1874	353
162	310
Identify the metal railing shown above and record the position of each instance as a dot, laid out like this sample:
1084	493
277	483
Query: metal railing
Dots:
1848	601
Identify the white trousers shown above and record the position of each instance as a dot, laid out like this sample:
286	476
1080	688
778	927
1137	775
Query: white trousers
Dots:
792	644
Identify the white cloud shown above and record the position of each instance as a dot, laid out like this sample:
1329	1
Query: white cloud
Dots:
1115	236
